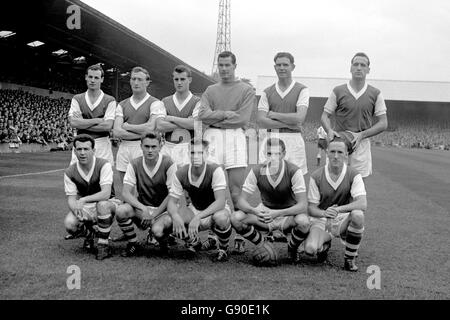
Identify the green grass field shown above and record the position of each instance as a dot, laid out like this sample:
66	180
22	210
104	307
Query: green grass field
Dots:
407	237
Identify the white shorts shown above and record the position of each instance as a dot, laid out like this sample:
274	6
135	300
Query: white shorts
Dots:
103	150
227	147
128	150
90	209
361	158
206	223
333	227
178	152
295	148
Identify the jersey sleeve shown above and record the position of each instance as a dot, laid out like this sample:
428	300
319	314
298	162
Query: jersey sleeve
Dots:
357	188
380	105
130	176
110	113
250	183
106	174
157	109
74	107
313	192
263	104
298	182
70	188
196	110
219	181
119	111
303	98
331	104
176	189
171	171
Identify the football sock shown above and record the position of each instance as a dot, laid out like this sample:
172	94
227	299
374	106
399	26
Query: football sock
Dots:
224	237
297	237
253	235
104	228
128	230
352	242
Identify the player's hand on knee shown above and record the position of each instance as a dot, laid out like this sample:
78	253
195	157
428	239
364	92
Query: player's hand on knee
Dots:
178	227
146	218
193	227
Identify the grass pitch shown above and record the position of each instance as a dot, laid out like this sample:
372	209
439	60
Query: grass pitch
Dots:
407	235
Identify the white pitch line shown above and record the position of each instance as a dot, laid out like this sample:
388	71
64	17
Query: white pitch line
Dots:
30	174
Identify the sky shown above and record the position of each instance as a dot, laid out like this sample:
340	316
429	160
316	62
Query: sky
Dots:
405	39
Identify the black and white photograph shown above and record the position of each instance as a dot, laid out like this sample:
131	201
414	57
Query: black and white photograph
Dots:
225	155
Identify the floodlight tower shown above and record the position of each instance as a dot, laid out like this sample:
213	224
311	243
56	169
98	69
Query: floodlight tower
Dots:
223	41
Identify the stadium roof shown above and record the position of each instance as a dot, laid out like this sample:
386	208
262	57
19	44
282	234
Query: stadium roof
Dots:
98	39
428	91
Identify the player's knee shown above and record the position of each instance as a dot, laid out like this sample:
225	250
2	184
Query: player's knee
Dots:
122	213
103	208
221	219
357	218
302	222
236	219
158	230
71	223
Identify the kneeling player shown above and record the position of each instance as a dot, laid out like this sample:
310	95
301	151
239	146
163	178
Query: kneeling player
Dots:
151	174
337	202
283	196
205	183
87	184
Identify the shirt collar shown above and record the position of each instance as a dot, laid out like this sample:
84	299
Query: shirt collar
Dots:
285	92
86	177
152	173
181	105
355	94
338	182
96	103
200	179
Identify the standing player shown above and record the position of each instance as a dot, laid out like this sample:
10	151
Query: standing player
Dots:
151	174
206	185
226	108
354	105
135	117
321	143
87	184
283	200
178	125
93	112
336	195
282	109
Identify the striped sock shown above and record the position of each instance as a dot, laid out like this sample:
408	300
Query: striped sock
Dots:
297	237
104	228
224	237
352	241
128	230
252	235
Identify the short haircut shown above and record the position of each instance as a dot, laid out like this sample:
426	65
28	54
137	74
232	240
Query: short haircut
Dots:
276	142
140	69
182	68
226	54
361	54
152	135
196	141
84	138
347	143
96	67
284	55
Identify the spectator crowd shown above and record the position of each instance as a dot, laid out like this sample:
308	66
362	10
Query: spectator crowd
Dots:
33	119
